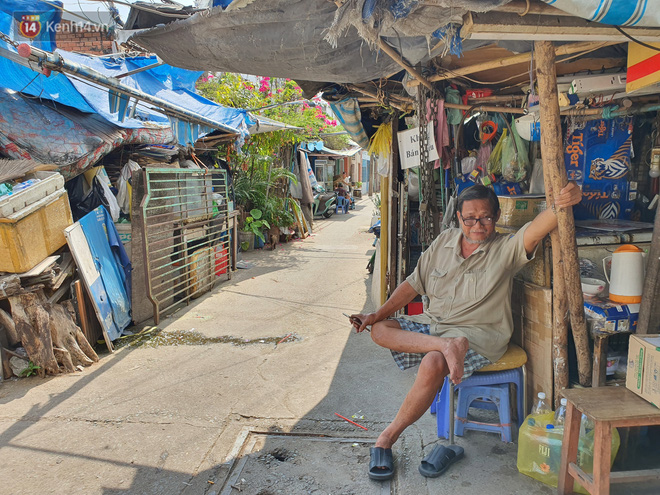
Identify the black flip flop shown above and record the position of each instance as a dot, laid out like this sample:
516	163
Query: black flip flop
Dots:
439	460
381	465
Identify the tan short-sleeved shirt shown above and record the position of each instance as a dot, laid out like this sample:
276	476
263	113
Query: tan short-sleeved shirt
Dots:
470	297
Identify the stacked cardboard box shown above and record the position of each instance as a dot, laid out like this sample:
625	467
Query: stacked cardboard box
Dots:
643	376
532	314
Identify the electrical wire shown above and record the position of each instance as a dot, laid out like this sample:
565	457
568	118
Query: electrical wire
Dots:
147	9
84	18
635	40
476	81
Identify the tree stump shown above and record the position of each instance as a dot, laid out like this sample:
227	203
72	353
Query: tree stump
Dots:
68	340
33	328
49	334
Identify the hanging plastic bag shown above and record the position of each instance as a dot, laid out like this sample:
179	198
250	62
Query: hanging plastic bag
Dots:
515	159
495	159
468	164
109	200
124	187
536	184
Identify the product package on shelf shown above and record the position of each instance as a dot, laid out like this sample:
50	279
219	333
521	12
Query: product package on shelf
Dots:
607	200
519	209
605	316
597	157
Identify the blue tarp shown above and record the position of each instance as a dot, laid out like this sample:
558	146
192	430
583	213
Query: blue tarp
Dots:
171	84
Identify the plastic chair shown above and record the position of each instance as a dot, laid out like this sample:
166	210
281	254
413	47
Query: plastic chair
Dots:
510	368
342	204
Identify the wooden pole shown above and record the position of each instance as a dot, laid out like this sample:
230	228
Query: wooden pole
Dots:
554	170
648	310
393	54
384	235
559	319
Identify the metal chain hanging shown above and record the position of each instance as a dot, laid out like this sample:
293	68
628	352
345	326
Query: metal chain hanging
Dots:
8	40
426	183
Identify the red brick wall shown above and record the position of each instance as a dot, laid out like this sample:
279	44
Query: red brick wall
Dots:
86	39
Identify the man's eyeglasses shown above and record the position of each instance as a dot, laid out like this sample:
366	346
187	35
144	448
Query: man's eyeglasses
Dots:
471	222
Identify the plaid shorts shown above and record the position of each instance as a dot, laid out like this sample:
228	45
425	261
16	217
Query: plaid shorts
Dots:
404	360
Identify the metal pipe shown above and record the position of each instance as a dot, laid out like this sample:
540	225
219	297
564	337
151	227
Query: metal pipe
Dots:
54	61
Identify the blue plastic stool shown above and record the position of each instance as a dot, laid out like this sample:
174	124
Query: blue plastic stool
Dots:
486	397
512	366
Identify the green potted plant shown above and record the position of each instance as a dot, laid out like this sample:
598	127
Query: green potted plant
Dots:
254	226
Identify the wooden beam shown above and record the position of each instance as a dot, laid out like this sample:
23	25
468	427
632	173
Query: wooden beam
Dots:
648	311
517	59
504	26
555	179
394	55
398	106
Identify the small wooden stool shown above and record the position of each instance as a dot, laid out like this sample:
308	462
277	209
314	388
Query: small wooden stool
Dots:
607	407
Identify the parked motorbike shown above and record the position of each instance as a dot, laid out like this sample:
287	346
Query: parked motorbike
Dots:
375	229
325	203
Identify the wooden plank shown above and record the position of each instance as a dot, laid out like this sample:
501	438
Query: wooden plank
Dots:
504	26
555	179
599	375
636	476
522	58
394	55
602	453
569	449
616	405
40	268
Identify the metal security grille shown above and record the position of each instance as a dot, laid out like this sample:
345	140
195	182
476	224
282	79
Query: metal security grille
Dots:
186	237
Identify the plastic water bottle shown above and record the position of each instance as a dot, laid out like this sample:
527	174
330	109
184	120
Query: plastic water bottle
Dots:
24	185
541	406
560	414
586	425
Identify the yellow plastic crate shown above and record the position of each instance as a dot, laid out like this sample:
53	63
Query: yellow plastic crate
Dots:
32	234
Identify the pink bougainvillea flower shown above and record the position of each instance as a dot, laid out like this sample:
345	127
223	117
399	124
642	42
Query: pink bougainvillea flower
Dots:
280	90
333	122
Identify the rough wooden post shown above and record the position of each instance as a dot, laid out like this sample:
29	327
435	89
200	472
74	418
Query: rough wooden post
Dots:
555	177
649	308
559	320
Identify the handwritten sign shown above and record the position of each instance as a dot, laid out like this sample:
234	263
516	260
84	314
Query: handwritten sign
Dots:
409	146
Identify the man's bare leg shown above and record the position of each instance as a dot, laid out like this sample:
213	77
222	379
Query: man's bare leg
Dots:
431	373
388	333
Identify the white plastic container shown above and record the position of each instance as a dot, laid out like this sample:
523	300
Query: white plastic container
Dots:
49	182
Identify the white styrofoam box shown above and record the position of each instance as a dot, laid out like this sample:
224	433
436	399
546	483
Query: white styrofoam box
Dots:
49	182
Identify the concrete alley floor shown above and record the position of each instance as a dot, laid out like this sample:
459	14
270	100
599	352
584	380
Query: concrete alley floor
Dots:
241	415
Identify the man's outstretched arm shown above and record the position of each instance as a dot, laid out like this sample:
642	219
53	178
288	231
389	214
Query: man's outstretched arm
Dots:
546	221
401	296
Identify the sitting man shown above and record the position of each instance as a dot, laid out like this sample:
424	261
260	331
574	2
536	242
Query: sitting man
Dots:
467	274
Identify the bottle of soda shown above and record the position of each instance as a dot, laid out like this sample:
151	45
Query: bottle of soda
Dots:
541	406
560	414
